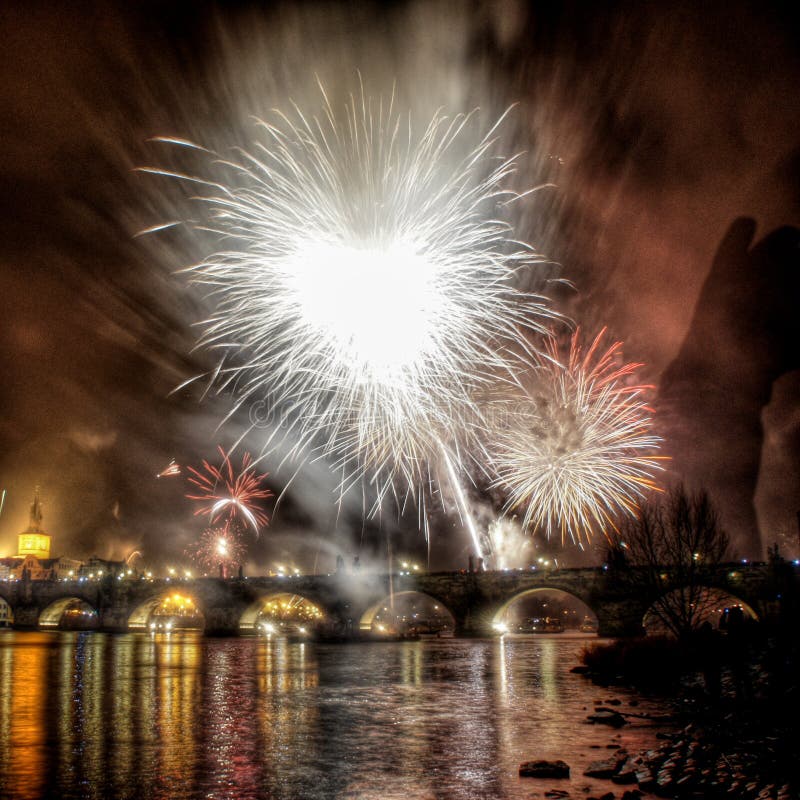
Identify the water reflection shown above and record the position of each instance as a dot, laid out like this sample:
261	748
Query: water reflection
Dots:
180	716
22	750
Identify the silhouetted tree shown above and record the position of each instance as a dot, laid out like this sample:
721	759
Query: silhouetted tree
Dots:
671	551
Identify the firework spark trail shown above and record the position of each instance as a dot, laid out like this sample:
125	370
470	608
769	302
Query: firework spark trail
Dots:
170	470
367	291
221	489
579	449
463	507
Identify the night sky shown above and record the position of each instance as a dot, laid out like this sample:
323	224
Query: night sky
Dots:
657	127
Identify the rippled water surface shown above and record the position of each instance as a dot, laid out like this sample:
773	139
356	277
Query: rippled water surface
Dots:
181	716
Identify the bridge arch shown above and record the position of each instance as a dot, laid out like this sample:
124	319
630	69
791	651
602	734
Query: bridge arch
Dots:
569	611
6	613
69	612
691	609
428	615
171	608
287	612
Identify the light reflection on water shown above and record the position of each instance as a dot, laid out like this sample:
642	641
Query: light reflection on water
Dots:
90	715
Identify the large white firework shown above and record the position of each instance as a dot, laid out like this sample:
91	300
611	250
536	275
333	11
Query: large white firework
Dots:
577	449
366	289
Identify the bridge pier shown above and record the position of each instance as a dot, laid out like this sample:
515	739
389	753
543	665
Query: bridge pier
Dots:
223	618
26	617
474	621
113	619
620	619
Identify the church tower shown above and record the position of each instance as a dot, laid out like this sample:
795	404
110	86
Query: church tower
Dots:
34	541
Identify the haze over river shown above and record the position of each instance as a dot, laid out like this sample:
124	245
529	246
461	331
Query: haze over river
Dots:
92	715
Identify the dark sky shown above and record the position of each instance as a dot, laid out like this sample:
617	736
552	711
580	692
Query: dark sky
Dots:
658	126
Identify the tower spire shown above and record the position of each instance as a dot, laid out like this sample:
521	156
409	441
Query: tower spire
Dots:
35	523
34	541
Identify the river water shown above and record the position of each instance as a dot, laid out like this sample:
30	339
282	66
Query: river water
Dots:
93	715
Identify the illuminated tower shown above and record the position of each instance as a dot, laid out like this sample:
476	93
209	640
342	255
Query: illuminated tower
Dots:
34	541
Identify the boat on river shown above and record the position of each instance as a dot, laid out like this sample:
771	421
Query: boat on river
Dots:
541	625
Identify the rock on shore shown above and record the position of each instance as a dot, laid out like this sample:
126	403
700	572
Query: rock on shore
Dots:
690	764
544	769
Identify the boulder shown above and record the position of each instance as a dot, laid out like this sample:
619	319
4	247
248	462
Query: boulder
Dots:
602	769
544	769
646	780
607	717
626	774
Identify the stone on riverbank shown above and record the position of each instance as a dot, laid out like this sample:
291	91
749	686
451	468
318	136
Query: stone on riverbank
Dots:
605	716
602	769
626	773
690	764
544	769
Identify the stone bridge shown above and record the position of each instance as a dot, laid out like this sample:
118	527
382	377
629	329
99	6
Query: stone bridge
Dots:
351	600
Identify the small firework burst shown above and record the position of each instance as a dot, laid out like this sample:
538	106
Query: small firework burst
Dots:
225	492
219	548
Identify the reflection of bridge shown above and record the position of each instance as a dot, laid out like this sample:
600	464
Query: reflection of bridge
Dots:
351	600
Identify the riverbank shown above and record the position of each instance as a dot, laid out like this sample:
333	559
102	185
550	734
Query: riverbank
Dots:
733	716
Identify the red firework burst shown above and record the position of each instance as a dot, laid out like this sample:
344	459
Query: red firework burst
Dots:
219	547
225	492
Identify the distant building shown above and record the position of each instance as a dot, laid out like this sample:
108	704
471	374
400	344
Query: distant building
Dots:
34	569
66	568
97	567
33	561
6	615
33	541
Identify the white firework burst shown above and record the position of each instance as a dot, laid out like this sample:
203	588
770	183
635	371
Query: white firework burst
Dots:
578	448
366	290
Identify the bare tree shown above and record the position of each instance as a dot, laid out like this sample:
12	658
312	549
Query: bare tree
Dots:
671	552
